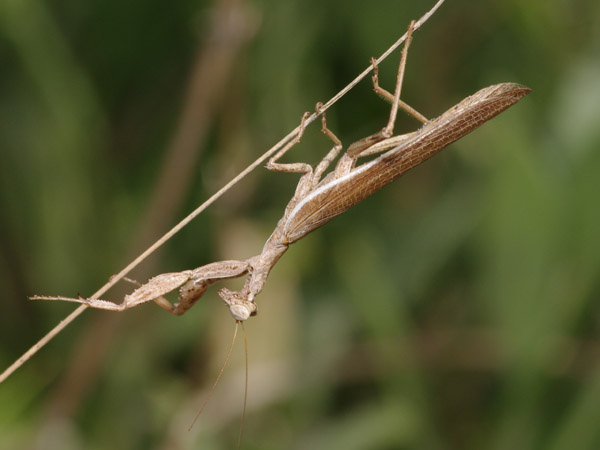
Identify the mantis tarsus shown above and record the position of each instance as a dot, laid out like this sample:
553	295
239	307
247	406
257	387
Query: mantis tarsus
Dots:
319	198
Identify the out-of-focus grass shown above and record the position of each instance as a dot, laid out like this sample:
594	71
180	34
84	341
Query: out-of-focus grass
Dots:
456	308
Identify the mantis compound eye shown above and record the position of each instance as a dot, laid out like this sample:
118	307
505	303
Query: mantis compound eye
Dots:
240	312
240	308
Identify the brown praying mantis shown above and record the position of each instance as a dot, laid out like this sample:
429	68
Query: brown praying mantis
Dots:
319	198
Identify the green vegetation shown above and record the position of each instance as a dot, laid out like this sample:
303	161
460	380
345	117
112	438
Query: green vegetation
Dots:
458	308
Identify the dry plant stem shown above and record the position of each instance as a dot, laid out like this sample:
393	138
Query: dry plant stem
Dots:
304	213
290	136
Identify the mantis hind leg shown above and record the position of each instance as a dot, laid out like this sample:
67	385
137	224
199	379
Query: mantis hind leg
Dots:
193	284
357	149
394	99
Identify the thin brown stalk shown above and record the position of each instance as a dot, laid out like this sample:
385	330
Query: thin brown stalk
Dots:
289	137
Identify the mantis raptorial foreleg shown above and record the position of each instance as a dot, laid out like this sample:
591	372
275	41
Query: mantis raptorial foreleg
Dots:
388	96
394	99
192	285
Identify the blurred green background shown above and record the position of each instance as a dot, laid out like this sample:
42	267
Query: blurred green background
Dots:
458	308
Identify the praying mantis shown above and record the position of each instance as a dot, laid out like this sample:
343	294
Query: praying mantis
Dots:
320	197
